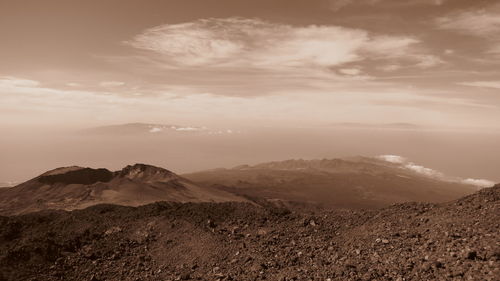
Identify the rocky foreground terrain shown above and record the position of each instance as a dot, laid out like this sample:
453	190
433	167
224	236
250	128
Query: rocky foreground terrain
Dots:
459	240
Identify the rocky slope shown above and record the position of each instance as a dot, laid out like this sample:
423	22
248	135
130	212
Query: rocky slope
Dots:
74	187
458	240
360	182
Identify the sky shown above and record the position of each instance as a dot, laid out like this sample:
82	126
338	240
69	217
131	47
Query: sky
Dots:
433	63
287	78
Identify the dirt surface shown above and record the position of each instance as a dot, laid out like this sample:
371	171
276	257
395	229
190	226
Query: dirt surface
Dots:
241	241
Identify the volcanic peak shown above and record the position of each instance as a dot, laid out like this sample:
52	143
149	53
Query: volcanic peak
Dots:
146	172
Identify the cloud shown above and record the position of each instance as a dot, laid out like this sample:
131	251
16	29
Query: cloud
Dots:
482	84
478	182
111	83
481	22
29	102
389	67
350	71
254	43
14	82
405	164
155	130
336	5
431	173
449	52
392	158
189	129
427	61
494	49
423	170
253	57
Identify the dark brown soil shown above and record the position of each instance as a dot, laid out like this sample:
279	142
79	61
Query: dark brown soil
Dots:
241	241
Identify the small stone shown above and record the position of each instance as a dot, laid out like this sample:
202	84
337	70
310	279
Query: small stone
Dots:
211	223
472	255
112	230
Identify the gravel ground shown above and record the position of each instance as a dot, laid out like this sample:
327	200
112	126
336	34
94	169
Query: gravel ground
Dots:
459	240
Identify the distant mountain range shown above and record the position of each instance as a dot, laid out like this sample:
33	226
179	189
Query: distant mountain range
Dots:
77	187
147	128
358	182
394	126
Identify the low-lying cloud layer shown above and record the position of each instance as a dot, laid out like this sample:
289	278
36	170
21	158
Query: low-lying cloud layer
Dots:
431	173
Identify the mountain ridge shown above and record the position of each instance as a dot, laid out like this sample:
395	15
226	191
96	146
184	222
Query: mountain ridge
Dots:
76	187
363	182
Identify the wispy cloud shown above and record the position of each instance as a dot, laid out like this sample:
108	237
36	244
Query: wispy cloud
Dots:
392	158
111	83
350	71
495	49
428	61
479	182
32	102
478	22
336	5
407	165
482	84
10	82
254	43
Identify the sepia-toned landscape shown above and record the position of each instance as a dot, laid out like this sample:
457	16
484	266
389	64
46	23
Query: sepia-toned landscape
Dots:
162	140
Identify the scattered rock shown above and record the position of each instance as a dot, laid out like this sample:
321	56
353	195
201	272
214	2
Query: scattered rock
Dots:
251	242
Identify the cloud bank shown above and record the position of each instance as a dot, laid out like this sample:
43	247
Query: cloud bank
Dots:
404	163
